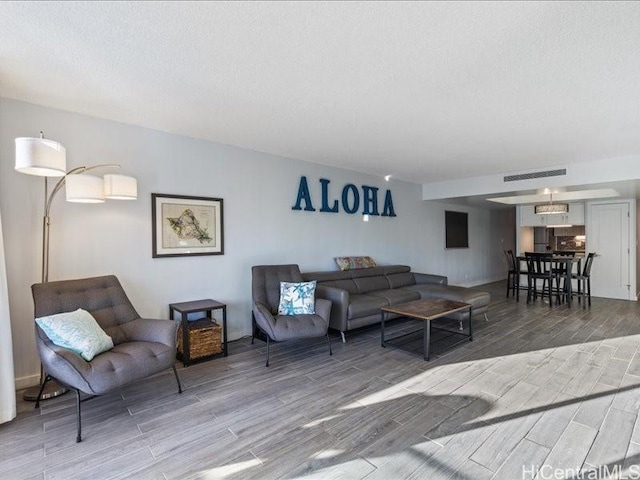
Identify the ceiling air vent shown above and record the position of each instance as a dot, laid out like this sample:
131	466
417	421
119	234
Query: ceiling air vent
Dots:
529	176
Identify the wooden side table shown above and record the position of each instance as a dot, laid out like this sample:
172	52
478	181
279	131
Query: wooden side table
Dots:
205	306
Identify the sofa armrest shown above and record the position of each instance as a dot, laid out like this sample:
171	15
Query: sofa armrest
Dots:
323	308
430	279
339	305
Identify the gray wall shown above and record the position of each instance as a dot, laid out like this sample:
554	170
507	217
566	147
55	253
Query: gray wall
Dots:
258	191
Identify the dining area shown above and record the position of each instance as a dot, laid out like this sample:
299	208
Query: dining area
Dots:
556	277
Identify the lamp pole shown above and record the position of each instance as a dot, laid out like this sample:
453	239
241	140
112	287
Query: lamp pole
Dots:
52	388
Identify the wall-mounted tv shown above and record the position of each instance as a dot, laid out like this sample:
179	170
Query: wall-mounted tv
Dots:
456	229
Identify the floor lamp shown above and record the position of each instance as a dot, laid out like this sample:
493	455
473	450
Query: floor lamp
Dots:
47	158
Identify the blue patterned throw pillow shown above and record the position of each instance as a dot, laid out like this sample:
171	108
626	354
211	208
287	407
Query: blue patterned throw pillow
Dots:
77	331
297	298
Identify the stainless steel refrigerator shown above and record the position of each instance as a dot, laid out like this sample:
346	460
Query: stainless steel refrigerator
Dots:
540	239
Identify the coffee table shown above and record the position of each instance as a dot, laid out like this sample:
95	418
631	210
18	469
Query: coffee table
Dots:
426	309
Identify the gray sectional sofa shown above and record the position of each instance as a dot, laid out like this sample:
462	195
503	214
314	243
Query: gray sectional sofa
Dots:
358	295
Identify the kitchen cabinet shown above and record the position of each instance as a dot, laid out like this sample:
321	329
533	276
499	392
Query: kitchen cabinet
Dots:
528	217
576	213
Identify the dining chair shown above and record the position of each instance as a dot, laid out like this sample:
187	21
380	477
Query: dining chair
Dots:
584	281
563	271
539	267
513	279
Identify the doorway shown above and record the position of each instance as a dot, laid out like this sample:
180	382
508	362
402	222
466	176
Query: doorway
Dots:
609	238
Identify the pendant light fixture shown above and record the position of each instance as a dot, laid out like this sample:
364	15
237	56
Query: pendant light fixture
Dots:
551	208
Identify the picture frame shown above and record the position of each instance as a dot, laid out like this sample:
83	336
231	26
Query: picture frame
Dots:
186	225
456	229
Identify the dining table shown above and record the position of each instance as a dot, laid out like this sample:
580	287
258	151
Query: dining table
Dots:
564	264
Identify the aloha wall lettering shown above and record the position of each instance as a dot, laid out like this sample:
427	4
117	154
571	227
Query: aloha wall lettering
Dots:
350	201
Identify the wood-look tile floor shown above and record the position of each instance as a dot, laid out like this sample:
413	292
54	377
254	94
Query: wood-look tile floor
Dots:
538	389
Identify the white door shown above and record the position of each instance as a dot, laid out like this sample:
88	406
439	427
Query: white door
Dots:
609	239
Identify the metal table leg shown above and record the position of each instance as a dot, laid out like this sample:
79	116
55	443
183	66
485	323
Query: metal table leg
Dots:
426	337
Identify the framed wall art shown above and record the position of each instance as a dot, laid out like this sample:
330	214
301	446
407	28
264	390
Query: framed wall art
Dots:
184	225
456	229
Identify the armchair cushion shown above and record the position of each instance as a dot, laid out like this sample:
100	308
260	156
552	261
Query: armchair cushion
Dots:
77	331
363	304
297	298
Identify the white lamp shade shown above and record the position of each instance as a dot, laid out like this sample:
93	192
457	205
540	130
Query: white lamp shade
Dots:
40	156
120	187
83	188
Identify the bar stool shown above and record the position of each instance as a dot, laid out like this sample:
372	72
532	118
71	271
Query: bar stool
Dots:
563	271
539	267
513	279
584	281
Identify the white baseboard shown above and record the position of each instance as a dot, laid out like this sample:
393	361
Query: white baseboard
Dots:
26	382
482	281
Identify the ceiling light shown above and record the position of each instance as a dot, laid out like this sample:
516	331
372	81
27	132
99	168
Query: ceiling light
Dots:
551	208
387	178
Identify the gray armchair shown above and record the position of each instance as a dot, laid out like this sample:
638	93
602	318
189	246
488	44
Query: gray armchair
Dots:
265	287
142	347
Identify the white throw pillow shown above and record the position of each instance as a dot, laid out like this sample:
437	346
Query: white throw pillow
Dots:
297	298
77	331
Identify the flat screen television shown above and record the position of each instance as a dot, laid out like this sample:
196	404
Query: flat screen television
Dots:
456	229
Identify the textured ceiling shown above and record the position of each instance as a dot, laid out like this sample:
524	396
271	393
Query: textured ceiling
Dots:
426	91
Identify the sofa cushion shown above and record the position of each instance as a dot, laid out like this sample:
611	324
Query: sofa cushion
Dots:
397	280
370	284
367	272
391	269
396	295
362	305
326	276
477	298
348	285
352	263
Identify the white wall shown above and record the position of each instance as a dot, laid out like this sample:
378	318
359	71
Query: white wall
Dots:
636	248
259	226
